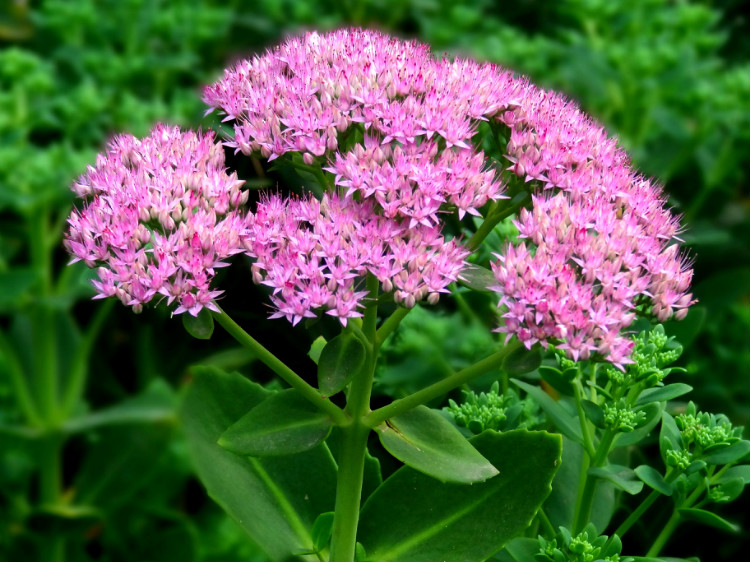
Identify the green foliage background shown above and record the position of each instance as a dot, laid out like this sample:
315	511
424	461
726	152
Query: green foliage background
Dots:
670	79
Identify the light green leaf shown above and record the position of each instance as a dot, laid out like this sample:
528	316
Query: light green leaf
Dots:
424	440
566	423
316	348
266	496
285	423
321	530
414	518
477	277
341	360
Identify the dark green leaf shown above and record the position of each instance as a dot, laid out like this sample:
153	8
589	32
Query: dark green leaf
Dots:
266	496
566	423
156	404
521	361
594	413
341	359
654	479
522	549
731	453
424	440
556	380
414	518
708	518
283	424
621	476
731	488
321	530
663	393
669	437
200	327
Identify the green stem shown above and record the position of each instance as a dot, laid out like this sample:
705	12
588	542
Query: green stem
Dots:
588	443
19	384
493	218
390	324
79	370
46	365
546	523
586	499
670	477
663	537
281	369
351	461
440	388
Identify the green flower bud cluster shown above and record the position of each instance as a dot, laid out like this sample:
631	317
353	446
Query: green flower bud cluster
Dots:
567	548
653	351
704	432
619	417
492	410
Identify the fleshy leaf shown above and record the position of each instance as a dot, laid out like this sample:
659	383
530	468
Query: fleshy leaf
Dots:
708	518
556	379
321	530
729	454
621	476
653	479
414	518
266	496
663	393
477	277
341	359
200	327
316	348
565	422
522	360
424	440
283	424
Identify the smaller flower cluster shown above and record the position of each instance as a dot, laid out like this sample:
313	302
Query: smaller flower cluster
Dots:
159	216
314	254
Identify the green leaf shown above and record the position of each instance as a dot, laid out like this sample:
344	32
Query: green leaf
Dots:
708	518
341	359
742	471
268	497
731	488
663	393
566	423
621	476
729	454
522	549
653	415
521	361
555	378
200	327
669	437
321	530
414	518
653	479
156	404
594	413
285	423
424	440
316	349
477	277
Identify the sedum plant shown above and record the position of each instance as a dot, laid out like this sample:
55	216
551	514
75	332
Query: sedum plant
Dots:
400	165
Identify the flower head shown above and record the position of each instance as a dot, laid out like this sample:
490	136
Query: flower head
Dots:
159	216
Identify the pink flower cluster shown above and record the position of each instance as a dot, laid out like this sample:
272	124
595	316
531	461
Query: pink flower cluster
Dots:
599	238
313	253
395	129
394	126
159	216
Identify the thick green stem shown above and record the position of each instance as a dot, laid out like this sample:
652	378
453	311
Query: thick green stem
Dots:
586	499
493	218
351	461
390	324
277	366
440	388
76	383
664	536
19	384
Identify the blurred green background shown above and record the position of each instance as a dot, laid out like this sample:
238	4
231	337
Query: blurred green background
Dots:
92	463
